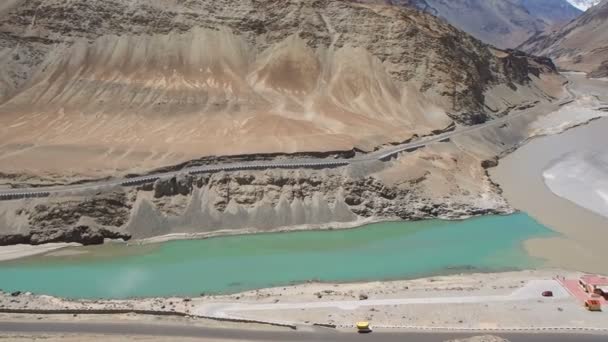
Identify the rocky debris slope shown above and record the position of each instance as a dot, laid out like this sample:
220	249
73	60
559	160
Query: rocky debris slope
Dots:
582	45
134	85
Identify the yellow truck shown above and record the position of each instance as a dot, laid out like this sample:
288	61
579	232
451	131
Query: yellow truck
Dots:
363	327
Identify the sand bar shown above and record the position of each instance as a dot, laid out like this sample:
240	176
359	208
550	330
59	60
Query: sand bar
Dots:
22	251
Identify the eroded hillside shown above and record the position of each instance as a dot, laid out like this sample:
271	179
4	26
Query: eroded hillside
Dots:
103	87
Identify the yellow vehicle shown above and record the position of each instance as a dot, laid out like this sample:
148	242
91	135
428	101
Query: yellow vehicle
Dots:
593	304
363	327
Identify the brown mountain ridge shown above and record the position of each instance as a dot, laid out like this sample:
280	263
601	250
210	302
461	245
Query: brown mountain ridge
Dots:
105	86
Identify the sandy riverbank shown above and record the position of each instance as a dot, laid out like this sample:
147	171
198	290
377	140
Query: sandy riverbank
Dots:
236	232
22	251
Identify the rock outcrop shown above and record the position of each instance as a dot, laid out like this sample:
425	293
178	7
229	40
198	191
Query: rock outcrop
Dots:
83	219
85	235
105	209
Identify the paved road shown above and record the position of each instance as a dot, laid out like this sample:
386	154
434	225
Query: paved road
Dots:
318	334
381	155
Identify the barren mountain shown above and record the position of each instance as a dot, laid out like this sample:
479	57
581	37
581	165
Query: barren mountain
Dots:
95	86
582	45
554	13
502	23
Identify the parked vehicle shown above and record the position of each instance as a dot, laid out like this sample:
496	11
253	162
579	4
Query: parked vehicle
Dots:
363	327
593	303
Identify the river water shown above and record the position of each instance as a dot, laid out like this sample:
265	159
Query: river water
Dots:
232	264
581	245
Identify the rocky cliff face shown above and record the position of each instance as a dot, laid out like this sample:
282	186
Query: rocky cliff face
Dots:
87	220
582	45
110	86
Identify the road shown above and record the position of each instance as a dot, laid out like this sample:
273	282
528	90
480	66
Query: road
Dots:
313	334
380	155
530	291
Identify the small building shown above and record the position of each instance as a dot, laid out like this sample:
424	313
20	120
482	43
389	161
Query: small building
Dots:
594	284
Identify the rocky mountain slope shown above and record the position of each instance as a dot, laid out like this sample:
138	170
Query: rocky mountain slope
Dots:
502	23
554	13
582	45
104	87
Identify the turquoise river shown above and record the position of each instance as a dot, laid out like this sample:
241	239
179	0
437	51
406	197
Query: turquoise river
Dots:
236	263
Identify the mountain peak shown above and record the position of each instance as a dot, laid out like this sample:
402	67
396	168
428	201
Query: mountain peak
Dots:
584	5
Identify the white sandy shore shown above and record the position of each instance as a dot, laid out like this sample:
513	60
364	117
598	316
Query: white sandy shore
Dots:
22	251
